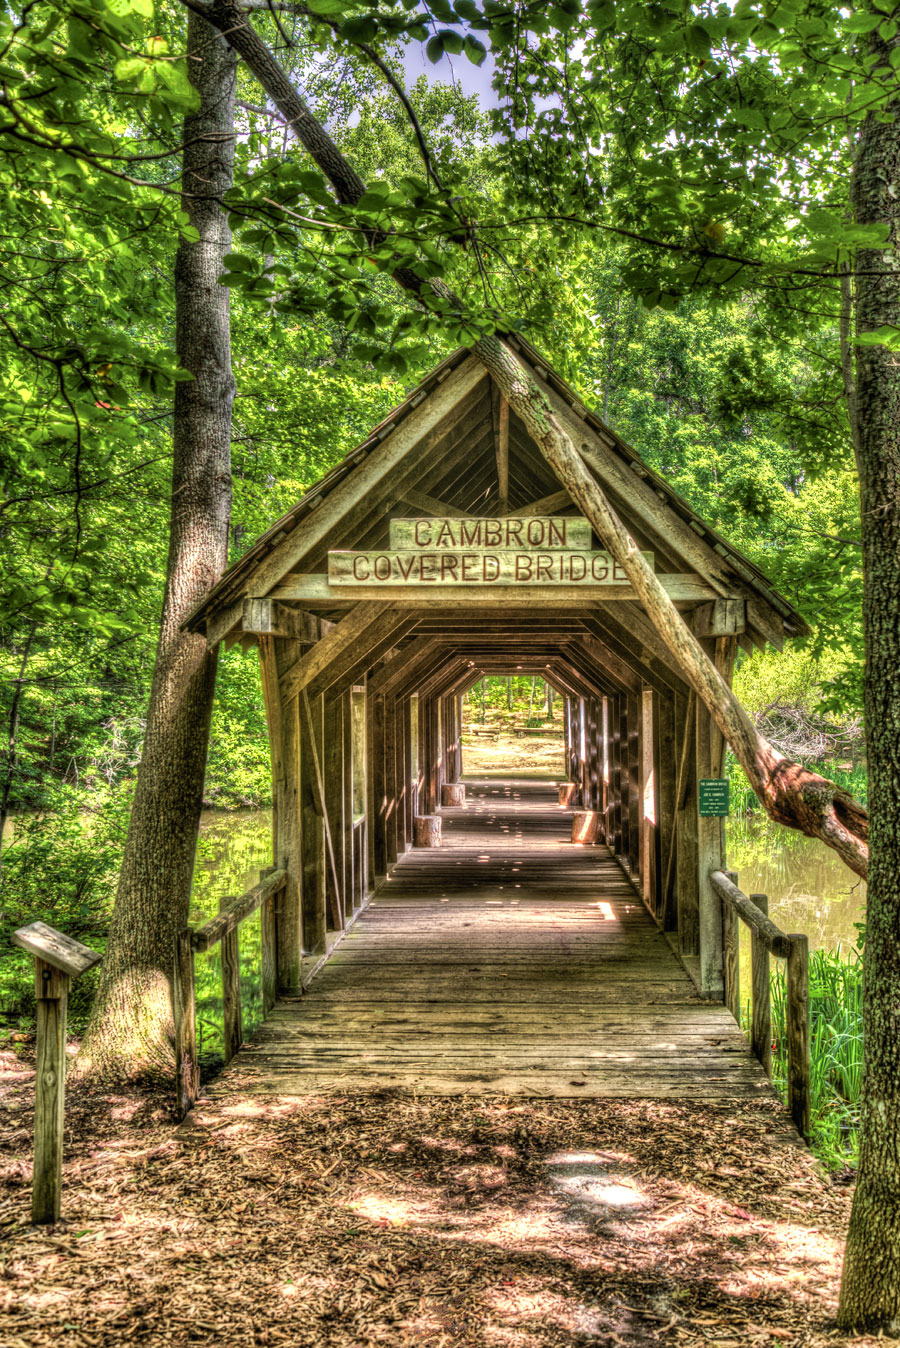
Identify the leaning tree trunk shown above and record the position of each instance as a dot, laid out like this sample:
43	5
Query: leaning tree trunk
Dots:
870	1292
131	1029
790	793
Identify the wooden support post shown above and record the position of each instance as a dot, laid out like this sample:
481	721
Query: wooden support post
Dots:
593	778
333	787
427	830
605	767
711	831
57	960
624	784
312	733
616	776
284	747
686	859
412	762
187	1068
371	799
51	990
649	806
315	925
666	771
349	868
268	954
731	954
797	988
761	1031
584	826
232	1030
391	786
634	784
439	745
377	778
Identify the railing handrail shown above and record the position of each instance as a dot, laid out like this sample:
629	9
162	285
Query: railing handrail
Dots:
775	940
223	928
767	939
234	911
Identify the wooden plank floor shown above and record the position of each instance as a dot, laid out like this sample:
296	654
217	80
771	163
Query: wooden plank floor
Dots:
509	961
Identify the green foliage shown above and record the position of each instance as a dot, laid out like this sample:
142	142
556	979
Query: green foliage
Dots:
61	867
512	699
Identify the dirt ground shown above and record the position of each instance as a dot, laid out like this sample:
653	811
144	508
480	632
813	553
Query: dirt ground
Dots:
374	1219
512	755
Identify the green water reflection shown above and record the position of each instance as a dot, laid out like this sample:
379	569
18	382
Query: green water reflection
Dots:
810	889
232	848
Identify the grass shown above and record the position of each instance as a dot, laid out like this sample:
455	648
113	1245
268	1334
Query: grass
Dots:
835	1051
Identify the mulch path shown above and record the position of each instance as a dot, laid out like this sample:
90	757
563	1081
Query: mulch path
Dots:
376	1219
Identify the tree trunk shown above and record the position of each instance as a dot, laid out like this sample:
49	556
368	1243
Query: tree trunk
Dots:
789	793
870	1291
131	1032
12	744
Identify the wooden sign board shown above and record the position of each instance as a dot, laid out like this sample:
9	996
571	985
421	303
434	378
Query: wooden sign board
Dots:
475	534
55	947
713	796
542	550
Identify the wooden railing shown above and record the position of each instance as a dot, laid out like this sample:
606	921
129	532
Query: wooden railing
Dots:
197	941
766	940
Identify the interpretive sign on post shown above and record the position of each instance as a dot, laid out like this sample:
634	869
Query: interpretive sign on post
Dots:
713	793
57	960
535	550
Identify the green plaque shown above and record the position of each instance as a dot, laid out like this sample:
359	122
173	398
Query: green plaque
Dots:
713	796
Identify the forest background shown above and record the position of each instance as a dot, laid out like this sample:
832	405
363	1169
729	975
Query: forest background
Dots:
745	419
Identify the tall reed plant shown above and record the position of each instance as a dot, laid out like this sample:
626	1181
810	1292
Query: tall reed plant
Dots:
835	1051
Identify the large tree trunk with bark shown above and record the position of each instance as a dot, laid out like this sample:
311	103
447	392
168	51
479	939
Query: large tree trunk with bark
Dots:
131	1029
789	793
870	1292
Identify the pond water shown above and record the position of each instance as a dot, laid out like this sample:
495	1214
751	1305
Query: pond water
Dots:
232	848
810	889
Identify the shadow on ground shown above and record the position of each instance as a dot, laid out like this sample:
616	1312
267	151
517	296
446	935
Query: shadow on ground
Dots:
379	1219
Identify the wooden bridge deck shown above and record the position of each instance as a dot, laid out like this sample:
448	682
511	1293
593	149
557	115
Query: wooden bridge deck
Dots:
509	961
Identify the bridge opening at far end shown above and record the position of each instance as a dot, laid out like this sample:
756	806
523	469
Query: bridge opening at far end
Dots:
513	725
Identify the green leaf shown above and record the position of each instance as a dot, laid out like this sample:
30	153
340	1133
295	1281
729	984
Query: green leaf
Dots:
176	78
861	23
361	29
475	50
888	335
699	41
130	67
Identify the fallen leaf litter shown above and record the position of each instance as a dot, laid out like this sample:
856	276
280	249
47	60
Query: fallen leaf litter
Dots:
381	1219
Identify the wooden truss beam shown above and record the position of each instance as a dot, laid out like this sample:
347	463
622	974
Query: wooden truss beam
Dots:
315	589
346	635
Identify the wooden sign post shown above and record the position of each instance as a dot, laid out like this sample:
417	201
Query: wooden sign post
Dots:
57	960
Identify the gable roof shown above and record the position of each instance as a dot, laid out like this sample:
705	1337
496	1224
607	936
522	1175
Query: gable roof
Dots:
436	449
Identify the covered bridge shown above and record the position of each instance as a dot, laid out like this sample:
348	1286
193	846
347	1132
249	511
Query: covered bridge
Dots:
442	549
